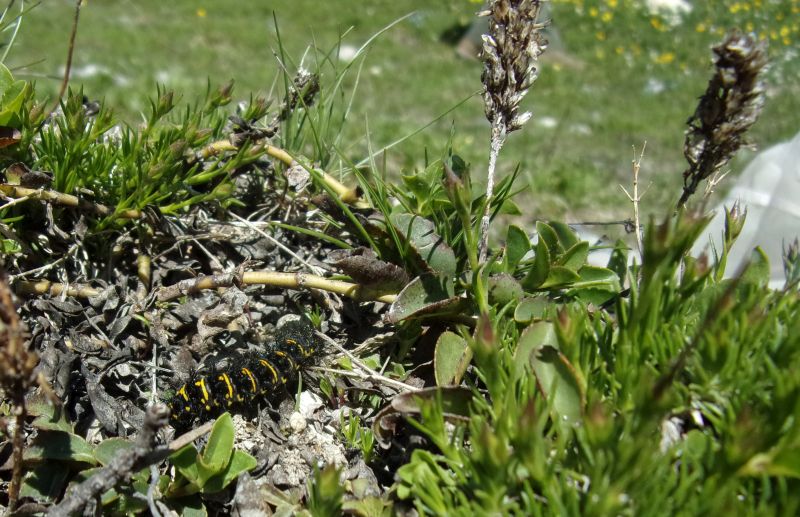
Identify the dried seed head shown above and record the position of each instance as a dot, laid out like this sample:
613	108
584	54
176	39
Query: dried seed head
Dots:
510	52
302	92
731	104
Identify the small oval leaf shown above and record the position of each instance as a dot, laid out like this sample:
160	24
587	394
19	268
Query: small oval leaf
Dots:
58	445
240	462
217	452
575	257
429	245
451	358
504	288
423	296
532	308
109	449
555	376
517	245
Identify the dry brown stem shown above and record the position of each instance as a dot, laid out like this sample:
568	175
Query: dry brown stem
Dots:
59	198
635	198
70	52
17	377
39	287
272	278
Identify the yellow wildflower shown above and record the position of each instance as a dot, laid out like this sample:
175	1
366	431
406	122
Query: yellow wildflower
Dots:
665	58
657	23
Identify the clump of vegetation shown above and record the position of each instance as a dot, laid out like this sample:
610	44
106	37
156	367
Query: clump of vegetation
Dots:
157	262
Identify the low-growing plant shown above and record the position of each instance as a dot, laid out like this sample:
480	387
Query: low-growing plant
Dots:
517	379
59	458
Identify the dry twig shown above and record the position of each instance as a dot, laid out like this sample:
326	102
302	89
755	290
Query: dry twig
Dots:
367	373
272	278
59	198
70	52
39	287
195	285
17	377
635	198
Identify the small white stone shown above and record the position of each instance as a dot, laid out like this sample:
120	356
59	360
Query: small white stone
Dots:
297	422
309	403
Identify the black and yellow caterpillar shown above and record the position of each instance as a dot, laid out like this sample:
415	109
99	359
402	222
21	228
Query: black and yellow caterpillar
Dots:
245	379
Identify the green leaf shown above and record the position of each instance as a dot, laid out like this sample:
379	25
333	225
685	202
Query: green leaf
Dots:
618	262
575	257
10	247
59	445
541	267
45	482
369	506
550	238
504	288
542	333
451	358
325	492
239	462
597	285
426	295
509	207
218	450
124	504
757	271
186	460
49	417
190	507
567	237
429	246
6	79
109	449
598	276
696	444
555	376
12	96
560	276
532	308
781	462
517	245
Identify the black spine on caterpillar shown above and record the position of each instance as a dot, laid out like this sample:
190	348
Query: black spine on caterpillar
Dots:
246	379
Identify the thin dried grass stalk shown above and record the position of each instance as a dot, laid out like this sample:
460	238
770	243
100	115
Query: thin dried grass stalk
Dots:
731	104
17	377
510	52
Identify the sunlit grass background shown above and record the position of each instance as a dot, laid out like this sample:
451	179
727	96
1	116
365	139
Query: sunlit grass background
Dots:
621	75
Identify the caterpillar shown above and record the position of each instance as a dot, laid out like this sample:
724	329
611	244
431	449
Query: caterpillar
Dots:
246	379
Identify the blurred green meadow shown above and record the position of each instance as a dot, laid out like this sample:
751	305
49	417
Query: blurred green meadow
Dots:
618	76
